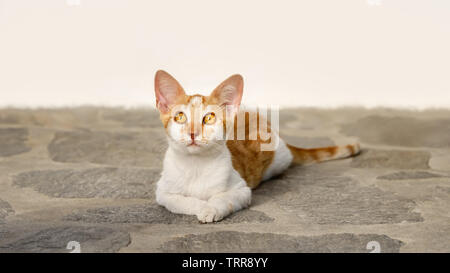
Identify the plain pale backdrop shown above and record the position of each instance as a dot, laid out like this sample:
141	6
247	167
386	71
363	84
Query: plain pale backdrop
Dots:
291	53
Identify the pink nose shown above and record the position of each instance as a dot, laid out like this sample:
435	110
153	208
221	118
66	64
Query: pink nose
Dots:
193	136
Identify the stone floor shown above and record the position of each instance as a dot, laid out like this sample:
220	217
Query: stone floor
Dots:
88	175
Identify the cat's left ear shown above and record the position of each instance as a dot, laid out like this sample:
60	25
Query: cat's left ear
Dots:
167	91
229	92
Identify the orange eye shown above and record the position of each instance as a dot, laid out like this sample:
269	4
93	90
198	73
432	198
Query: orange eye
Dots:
180	117
209	118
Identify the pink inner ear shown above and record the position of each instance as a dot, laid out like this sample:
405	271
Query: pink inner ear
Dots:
229	92
231	95
166	90
161	104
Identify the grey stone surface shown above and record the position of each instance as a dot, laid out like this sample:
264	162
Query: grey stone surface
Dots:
88	174
287	116
445	190
440	162
89	183
135	118
56	239
335	199
5	210
155	214
392	159
232	241
401	131
8	119
307	142
16	116
402	175
13	141
144	149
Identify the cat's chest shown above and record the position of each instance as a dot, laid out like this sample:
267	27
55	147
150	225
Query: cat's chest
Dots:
198	177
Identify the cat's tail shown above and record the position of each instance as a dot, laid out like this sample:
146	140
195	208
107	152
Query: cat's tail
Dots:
304	156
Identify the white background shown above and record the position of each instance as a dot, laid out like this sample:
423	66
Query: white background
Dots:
291	53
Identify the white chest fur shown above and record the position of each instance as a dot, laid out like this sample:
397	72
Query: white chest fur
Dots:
200	176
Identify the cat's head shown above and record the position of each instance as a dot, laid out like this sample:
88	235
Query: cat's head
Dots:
195	124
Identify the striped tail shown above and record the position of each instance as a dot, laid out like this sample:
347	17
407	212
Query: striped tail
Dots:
304	156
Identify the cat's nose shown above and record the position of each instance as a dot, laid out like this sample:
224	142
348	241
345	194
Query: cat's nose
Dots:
193	136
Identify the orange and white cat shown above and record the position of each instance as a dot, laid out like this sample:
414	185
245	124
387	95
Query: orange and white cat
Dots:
207	172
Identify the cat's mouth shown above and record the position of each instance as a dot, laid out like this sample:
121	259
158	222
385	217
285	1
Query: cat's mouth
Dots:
193	143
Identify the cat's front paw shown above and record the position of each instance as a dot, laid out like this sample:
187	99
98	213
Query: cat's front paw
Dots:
209	214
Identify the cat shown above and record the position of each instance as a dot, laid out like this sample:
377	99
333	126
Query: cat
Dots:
211	176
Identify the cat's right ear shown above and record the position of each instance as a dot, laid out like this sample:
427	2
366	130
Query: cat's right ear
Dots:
229	94
167	91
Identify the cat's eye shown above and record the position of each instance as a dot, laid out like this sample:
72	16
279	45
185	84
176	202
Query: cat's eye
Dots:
180	117
209	118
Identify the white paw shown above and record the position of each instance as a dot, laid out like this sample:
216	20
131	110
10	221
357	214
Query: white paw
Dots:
209	214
